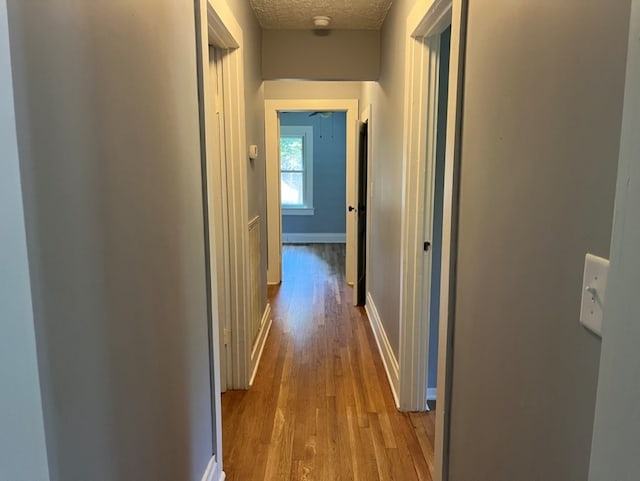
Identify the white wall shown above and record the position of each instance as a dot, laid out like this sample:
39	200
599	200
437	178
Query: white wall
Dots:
108	130
333	55
23	453
300	89
614	452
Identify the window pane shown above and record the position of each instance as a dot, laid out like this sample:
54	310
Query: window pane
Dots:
291	153
291	188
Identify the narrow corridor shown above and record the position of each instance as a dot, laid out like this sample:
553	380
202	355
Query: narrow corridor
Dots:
321	408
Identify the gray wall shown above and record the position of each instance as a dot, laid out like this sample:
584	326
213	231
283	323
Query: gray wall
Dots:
540	136
107	111
387	99
335	55
438	200
329	174
617	423
23	454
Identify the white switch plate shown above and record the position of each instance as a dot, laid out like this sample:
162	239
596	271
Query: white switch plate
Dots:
594	287
253	152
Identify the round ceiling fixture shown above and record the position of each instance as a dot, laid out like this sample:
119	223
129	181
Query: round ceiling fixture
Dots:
321	21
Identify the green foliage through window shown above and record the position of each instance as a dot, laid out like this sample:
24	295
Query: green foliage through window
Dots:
296	167
292	170
291	154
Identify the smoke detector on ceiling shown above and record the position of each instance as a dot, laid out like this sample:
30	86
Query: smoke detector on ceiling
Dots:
321	21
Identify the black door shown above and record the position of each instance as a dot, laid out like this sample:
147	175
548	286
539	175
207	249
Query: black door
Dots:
362	214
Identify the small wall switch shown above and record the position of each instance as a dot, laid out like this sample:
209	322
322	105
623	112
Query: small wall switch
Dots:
594	287
253	152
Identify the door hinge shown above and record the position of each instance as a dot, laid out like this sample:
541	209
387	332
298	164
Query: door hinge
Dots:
427	245
227	336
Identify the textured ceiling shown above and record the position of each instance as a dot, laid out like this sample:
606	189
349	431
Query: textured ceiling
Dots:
298	14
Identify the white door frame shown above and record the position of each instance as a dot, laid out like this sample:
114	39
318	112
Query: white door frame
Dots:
425	23
274	224
225	33
218	27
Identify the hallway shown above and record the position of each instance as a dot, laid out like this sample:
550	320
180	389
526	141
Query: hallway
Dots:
321	408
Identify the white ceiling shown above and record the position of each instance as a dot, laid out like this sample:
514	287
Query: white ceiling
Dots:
298	14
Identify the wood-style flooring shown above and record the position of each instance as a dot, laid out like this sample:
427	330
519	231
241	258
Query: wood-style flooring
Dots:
321	408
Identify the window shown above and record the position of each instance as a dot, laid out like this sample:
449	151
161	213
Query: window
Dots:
296	170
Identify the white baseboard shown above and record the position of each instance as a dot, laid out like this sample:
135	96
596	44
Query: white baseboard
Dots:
431	396
261	340
212	473
388	357
431	393
311	238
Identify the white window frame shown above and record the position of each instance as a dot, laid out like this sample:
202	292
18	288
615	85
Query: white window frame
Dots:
306	132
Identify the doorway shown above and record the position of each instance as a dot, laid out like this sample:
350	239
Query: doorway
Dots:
432	256
313	172
426	23
220	65
273	111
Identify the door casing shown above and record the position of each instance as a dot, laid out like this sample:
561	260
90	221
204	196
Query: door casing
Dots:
426	21
274	219
216	26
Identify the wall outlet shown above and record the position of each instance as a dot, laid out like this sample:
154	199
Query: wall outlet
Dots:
594	287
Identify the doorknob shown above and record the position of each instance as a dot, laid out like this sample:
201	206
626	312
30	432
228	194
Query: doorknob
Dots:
351	208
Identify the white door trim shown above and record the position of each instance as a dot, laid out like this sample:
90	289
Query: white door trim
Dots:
225	33
427	20
218	27
274	221
420	127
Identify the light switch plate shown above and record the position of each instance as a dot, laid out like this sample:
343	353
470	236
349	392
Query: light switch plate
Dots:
594	287
253	152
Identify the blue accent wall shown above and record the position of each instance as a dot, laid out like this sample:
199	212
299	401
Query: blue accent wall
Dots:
329	174
436	254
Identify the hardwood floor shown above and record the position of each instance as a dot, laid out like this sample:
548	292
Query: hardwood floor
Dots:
321	408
